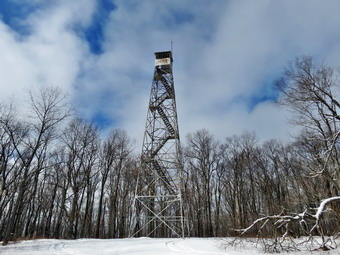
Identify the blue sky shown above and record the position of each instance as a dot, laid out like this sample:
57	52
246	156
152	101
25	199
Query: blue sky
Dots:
226	56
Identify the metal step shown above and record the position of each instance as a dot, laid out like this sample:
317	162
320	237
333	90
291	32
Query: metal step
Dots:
162	175
167	87
159	77
166	121
160	146
159	101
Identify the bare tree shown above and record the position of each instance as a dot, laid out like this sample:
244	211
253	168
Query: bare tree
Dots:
30	141
115	152
117	185
81	147
202	159
311	92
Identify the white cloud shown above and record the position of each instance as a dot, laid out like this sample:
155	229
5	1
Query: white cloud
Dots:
50	56
223	51
253	41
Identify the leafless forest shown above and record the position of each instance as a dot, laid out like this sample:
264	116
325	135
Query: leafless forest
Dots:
60	179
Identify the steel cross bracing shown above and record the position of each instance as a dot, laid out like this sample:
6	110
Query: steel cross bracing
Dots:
158	199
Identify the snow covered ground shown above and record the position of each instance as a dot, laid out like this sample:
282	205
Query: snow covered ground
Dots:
134	246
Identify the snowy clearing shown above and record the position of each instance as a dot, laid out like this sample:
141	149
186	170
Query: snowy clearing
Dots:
134	246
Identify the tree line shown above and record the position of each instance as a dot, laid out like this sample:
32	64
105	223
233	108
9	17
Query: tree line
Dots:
59	178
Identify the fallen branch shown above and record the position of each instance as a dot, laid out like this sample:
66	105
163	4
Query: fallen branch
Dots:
308	223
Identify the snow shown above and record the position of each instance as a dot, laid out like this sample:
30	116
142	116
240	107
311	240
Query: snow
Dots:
324	204
137	246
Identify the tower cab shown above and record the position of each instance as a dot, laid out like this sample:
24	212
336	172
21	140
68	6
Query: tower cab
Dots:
164	60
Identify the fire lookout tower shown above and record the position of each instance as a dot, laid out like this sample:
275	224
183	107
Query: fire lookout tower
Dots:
158	199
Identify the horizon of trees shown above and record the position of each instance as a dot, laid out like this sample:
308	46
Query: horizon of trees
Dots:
60	179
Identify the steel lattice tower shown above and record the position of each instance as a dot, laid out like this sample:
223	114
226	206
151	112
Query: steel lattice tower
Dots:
158	200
